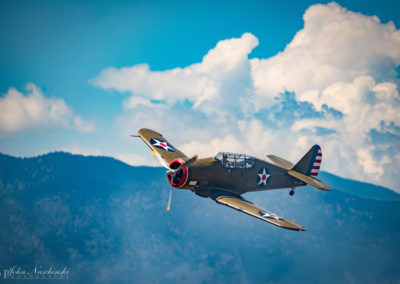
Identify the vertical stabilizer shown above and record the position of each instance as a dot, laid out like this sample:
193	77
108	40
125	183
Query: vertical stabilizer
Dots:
310	163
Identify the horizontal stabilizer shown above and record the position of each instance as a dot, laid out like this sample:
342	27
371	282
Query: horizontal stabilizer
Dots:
281	162
310	180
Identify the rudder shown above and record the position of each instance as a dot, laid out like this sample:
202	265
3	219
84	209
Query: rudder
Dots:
311	162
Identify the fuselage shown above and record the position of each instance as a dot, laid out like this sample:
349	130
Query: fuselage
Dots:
257	175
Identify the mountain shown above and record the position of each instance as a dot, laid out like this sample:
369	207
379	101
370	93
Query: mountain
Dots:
360	189
106	222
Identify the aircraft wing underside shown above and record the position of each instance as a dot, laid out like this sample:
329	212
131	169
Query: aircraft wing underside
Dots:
242	205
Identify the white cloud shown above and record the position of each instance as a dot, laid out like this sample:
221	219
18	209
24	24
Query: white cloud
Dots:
224	71
35	111
212	147
365	106
369	164
335	45
341	65
82	150
132	102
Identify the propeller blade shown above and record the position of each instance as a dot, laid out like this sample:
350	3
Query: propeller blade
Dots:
169	200
184	165
160	159
172	173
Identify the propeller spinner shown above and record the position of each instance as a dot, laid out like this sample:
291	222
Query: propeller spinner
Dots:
177	175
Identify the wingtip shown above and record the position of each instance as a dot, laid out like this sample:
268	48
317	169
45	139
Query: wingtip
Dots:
299	228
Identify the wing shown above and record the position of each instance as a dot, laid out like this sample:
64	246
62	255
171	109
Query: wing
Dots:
239	203
162	149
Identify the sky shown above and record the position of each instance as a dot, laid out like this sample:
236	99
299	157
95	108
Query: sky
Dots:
258	77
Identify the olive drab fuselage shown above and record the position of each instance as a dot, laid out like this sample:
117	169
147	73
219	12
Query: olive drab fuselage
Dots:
209	172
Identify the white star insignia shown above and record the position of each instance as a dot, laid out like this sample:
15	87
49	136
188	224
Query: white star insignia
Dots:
263	177
269	215
162	144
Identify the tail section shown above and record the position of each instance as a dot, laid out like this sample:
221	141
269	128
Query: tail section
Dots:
310	163
306	169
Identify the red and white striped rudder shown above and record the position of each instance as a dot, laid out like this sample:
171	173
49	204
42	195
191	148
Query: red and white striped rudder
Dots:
317	163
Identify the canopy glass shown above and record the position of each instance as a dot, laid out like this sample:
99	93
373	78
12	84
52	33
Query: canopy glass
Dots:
233	160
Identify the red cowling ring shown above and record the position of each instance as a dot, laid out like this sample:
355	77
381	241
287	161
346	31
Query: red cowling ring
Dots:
184	177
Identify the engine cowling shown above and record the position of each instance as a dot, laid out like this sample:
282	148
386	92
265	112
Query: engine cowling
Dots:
181	176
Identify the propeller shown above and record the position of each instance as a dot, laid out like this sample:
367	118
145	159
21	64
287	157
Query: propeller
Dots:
172	173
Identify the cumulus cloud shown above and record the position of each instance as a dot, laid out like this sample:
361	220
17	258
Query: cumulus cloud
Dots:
334	84
33	111
335	45
223	73
364	104
345	61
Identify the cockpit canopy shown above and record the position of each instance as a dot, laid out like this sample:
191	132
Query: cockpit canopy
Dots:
235	161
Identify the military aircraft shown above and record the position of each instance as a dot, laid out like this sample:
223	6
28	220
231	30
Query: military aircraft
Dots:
226	176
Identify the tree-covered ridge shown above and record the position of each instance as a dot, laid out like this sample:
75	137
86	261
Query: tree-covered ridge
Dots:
107	222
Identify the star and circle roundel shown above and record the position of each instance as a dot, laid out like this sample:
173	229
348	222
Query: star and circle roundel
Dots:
263	177
269	215
161	144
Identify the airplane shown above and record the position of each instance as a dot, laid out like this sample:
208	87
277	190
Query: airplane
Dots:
226	176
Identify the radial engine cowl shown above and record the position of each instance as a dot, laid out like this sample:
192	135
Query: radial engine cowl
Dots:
181	176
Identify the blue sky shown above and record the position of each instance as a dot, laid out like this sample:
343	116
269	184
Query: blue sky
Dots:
290	85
